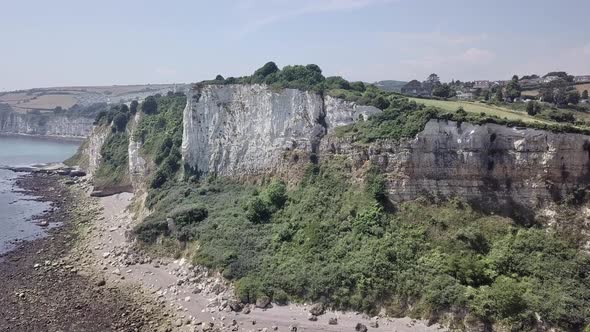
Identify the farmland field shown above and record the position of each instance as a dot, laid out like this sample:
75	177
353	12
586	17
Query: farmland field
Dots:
478	108
582	87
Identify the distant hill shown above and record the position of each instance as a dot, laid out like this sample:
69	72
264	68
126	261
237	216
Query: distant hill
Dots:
390	85
47	99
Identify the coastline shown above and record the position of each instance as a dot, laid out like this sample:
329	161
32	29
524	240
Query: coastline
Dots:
45	286
77	139
87	275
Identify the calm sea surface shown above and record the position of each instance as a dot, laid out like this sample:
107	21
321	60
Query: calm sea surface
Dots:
16	210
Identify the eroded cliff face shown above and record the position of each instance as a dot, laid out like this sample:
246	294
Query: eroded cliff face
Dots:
137	164
45	125
251	130
91	149
495	166
241	130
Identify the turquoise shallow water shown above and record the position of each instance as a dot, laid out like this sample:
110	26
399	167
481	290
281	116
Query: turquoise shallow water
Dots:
17	209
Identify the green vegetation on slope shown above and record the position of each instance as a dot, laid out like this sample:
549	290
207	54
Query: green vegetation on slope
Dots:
79	158
160	131
405	118
330	239
113	170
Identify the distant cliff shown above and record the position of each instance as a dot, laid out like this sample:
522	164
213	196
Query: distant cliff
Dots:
45	124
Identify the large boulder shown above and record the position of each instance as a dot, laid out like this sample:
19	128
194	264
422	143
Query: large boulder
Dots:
360	328
262	302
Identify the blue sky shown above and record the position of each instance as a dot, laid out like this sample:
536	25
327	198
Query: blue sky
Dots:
76	42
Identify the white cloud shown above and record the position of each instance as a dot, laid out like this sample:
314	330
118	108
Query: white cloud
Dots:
416	54
273	11
477	56
433	38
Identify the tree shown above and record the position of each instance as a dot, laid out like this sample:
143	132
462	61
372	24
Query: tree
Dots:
358	86
477	93
573	97
433	79
486	95
513	89
502	300
267	69
412	85
133	106
149	106
528	77
560	97
380	103
443	91
219	78
585	94
560	74
120	122
533	108
555	92
337	82
499	95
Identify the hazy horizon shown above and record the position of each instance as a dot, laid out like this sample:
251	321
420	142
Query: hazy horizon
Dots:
71	43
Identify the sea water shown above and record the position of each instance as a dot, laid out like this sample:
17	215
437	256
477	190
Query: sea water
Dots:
17	209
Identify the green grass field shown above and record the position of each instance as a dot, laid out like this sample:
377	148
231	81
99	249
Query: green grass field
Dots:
478	108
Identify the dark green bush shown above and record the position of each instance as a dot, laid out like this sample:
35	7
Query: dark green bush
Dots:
149	105
262	206
120	122
113	168
133	107
150	230
188	214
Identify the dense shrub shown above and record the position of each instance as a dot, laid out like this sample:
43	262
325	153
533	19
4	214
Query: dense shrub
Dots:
113	168
402	119
133	107
120	122
150	230
329	239
149	105
375	183
161	135
188	214
260	207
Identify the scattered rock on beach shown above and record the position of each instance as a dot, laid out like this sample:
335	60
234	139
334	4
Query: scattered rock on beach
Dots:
333	321
360	328
374	323
318	309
